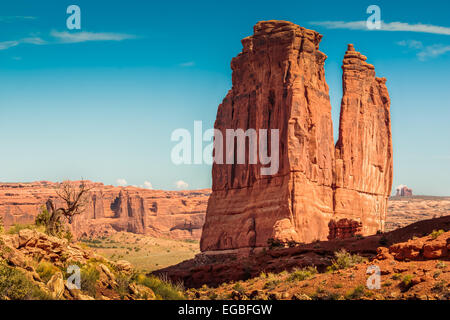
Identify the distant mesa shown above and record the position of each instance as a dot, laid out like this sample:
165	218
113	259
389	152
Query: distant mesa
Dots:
403	191
158	213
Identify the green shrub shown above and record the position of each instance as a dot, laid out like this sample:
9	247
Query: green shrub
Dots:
123	285
2	228
302	274
89	278
46	270
436	233
344	260
407	279
356	293
441	265
16	286
239	288
162	288
17	227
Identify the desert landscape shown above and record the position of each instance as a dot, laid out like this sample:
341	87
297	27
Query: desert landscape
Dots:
322	227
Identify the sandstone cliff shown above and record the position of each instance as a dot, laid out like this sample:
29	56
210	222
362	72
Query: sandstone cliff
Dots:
279	83
364	156
172	214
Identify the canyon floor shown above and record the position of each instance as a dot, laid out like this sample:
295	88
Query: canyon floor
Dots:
145	253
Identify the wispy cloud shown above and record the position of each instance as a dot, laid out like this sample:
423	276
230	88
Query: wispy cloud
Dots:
68	37
385	26
425	52
16	18
187	64
76	37
9	44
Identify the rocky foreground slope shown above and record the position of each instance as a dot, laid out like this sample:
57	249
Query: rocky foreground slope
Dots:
319	189
173	214
36	266
411	243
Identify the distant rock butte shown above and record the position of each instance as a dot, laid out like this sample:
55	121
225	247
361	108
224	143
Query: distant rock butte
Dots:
172	214
279	83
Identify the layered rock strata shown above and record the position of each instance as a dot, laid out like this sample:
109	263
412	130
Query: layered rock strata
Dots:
279	83
173	214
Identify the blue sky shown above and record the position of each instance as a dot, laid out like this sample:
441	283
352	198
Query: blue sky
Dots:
101	103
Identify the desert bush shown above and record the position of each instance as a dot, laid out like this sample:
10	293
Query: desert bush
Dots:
89	278
441	265
162	288
406	281
344	260
17	227
239	288
436	233
2	228
274	243
396	276
16	286
356	293
46	270
123	285
302	274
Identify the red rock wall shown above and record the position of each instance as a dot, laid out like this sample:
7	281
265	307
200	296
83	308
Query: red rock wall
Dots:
177	215
364	156
279	83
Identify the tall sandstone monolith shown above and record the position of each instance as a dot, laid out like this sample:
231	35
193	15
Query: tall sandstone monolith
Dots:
364	156
279	83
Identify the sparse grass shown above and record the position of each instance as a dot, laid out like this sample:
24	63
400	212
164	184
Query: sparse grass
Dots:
356	293
15	285
396	276
436	233
46	270
302	274
162	288
344	260
89	278
407	281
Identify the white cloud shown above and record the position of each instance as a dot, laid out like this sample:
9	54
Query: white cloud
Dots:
433	51
180	184
9	44
413	44
69	37
121	182
187	64
425	52
148	185
385	26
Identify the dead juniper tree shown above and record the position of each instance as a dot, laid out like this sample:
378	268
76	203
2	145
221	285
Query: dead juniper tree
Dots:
74	198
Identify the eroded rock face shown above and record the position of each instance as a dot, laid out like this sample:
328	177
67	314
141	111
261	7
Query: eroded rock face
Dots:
364	156
173	214
279	83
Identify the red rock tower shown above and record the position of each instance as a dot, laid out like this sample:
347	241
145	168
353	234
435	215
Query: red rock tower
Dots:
364	156
279	83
